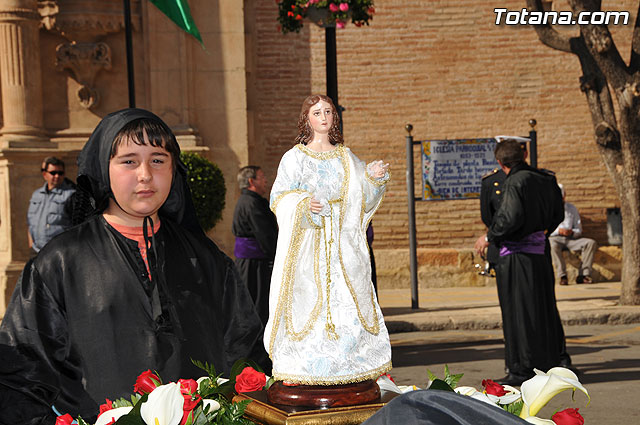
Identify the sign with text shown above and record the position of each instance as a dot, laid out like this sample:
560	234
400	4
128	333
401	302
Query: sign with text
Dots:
453	169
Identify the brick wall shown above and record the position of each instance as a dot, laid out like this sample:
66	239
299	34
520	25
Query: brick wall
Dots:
446	68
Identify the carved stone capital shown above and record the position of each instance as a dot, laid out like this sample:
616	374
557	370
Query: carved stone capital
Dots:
84	61
86	20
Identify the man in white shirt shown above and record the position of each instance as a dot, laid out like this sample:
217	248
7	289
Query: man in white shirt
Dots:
568	235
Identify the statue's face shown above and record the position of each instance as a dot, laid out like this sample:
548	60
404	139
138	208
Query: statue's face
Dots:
321	117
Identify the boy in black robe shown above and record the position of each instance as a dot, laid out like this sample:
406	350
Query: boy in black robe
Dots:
531	208
94	309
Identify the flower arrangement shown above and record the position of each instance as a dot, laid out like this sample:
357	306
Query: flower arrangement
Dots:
204	401
533	395
323	12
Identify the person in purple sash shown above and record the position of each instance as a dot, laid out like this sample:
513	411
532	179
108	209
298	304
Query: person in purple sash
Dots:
531	209
256	230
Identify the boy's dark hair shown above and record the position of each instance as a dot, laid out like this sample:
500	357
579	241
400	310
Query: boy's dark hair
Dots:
246	173
509	153
52	160
158	134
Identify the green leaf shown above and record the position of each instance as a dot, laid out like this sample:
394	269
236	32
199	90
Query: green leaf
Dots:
209	368
439	384
82	421
514	408
450	379
121	402
432	377
269	383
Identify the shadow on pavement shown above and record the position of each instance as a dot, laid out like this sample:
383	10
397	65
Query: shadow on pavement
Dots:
450	353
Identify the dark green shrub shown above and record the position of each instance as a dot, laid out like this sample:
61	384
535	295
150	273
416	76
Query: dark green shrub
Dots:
206	182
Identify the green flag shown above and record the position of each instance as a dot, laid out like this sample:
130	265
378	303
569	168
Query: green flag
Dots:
178	11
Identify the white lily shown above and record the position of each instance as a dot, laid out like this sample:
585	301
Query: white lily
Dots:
213	405
512	395
537	391
164	406
473	393
386	384
407	388
114	414
465	390
537	421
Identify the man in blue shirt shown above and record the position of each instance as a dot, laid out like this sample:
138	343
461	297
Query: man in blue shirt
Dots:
47	214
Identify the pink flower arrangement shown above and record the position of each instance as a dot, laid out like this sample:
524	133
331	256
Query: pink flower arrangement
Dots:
332	12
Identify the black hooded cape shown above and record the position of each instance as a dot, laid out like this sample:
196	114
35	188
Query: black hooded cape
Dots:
85	319
533	334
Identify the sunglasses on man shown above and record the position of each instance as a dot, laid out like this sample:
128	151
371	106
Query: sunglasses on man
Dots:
55	173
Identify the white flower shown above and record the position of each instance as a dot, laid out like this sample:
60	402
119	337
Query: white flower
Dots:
407	388
473	393
113	414
164	406
512	395
537	391
537	421
213	405
386	384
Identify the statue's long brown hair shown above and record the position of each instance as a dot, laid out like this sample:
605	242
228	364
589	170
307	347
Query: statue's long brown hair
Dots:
305	132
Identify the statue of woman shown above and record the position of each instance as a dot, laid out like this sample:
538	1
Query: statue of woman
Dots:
325	325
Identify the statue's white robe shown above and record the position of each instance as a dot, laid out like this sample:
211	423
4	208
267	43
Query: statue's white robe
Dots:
307	343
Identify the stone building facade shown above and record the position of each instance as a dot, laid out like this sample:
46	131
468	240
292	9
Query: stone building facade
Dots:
443	66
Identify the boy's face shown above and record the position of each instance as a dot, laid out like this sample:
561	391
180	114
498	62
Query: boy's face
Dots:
140	178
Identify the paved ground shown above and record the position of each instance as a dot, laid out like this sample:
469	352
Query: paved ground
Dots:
460	327
607	357
478	308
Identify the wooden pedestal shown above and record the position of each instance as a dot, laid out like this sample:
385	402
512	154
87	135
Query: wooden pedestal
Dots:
262	412
321	396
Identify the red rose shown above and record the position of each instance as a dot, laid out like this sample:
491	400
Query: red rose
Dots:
493	388
250	380
107	406
188	386
146	382
64	420
568	417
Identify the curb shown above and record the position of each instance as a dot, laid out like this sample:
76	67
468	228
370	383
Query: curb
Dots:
449	322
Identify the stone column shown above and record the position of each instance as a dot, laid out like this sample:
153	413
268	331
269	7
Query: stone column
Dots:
20	72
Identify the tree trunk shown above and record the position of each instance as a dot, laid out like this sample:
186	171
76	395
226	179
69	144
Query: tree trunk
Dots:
630	205
617	136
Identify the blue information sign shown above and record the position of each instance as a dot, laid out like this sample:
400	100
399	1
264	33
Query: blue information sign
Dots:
453	169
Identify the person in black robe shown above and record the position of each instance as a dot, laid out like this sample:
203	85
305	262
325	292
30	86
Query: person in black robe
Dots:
490	197
91	312
531	208
256	230
437	407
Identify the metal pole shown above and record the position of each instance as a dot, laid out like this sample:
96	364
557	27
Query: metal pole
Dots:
129	44
331	54
533	146
412	219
